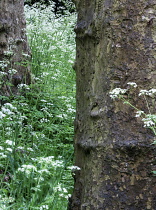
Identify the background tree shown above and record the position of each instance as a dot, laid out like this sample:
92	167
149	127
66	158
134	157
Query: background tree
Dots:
14	50
115	45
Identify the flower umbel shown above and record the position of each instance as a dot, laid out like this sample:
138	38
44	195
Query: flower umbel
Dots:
117	92
150	92
133	84
139	113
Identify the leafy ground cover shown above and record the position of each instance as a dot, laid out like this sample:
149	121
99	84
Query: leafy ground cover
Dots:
36	129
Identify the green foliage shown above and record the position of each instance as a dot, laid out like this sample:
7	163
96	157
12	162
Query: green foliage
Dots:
36	129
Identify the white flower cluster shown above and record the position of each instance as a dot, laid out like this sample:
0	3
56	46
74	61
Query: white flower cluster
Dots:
150	92
43	207
10	106
26	55
75	168
8	53
2	155
44	120
149	120
3	64
12	71
133	84
64	192
11	114
27	149
139	113
2	73
46	160
23	86
27	169
44	74
117	92
1	148
7	109
9	142
2	115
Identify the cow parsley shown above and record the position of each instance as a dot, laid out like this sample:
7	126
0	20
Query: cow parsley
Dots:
117	92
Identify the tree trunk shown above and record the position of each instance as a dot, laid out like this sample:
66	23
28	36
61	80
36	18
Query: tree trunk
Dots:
116	43
14	51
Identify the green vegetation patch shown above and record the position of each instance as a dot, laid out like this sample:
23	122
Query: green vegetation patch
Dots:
36	129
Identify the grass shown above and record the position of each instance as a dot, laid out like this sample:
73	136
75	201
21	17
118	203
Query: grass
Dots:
36	129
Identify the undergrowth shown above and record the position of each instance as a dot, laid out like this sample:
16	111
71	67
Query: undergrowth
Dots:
36	128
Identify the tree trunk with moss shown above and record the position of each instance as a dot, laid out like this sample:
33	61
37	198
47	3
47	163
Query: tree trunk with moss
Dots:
14	50
116	42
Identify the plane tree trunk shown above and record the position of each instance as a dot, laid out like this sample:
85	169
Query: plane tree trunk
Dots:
14	50
115	44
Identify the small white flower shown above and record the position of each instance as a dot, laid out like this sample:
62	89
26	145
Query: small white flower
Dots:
44	109
57	163
46	160
2	73
148	122
9	149
12	71
71	110
64	190
1	148
62	116
8	53
23	104
2	115
10	142
10	106
44	120
70	61
143	92
26	55
44	207
30	149
2	155
75	168
43	100
7	111
3	64
44	171
44	74
53	78
22	148
23	86
21	169
150	92
50	104
133	84
27	168
59	116
139	113
117	92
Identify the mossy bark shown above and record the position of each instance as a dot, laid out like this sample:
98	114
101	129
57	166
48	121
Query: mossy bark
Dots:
14	50
115	44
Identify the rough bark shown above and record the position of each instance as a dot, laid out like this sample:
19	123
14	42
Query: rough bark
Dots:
14	49
116	43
